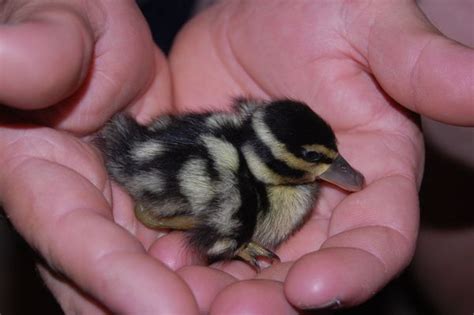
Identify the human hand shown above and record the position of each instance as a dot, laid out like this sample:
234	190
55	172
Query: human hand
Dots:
351	61
225	81
70	65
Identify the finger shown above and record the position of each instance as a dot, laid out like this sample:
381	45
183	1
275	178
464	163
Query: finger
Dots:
277	272
125	217
157	99
44	56
70	224
174	251
205	283
252	297
371	239
108	263
418	66
124	68
71	300
326	281
236	268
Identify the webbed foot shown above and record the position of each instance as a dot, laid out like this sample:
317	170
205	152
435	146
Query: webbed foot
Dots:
151	220
251	251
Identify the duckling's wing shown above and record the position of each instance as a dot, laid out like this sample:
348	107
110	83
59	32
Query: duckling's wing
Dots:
149	218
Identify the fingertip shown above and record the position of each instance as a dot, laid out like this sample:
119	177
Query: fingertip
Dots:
276	272
343	275
157	100
444	75
173	250
252	297
44	57
205	283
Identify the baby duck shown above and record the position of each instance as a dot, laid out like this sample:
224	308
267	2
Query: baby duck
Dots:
238	183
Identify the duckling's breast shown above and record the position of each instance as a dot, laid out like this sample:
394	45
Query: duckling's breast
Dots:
288	207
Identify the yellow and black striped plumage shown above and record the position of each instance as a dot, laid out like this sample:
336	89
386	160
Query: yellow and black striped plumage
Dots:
239	183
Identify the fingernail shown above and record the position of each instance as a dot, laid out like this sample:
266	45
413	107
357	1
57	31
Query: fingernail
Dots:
331	305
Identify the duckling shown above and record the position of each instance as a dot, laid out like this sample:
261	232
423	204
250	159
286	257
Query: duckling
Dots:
238	183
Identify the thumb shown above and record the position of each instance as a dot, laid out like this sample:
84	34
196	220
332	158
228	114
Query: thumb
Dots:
419	67
45	51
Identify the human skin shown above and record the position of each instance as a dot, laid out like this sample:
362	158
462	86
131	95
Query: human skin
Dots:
445	238
352	62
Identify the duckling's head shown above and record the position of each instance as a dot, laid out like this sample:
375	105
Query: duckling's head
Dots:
293	145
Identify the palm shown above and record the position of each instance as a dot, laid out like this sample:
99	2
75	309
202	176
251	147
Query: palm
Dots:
306	55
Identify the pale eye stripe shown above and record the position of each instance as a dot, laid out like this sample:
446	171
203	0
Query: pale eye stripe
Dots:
321	149
277	148
259	168
147	151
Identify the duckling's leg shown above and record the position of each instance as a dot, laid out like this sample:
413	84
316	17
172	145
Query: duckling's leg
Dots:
149	219
250	251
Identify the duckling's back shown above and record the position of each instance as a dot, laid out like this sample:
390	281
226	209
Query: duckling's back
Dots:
188	166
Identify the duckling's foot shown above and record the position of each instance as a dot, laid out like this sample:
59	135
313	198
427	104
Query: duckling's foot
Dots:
149	218
250	251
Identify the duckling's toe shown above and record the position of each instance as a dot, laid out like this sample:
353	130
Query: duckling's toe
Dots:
251	251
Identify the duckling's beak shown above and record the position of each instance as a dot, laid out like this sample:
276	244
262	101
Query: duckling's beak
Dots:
341	174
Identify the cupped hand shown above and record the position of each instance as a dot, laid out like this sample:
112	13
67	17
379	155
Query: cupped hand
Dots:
348	61
73	64
353	62
70	65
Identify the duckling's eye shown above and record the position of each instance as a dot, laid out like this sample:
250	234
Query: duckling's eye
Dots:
312	156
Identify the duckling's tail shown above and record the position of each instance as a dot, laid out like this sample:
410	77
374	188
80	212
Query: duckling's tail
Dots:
115	141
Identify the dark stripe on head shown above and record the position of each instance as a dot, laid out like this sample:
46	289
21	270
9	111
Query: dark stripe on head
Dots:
278	166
